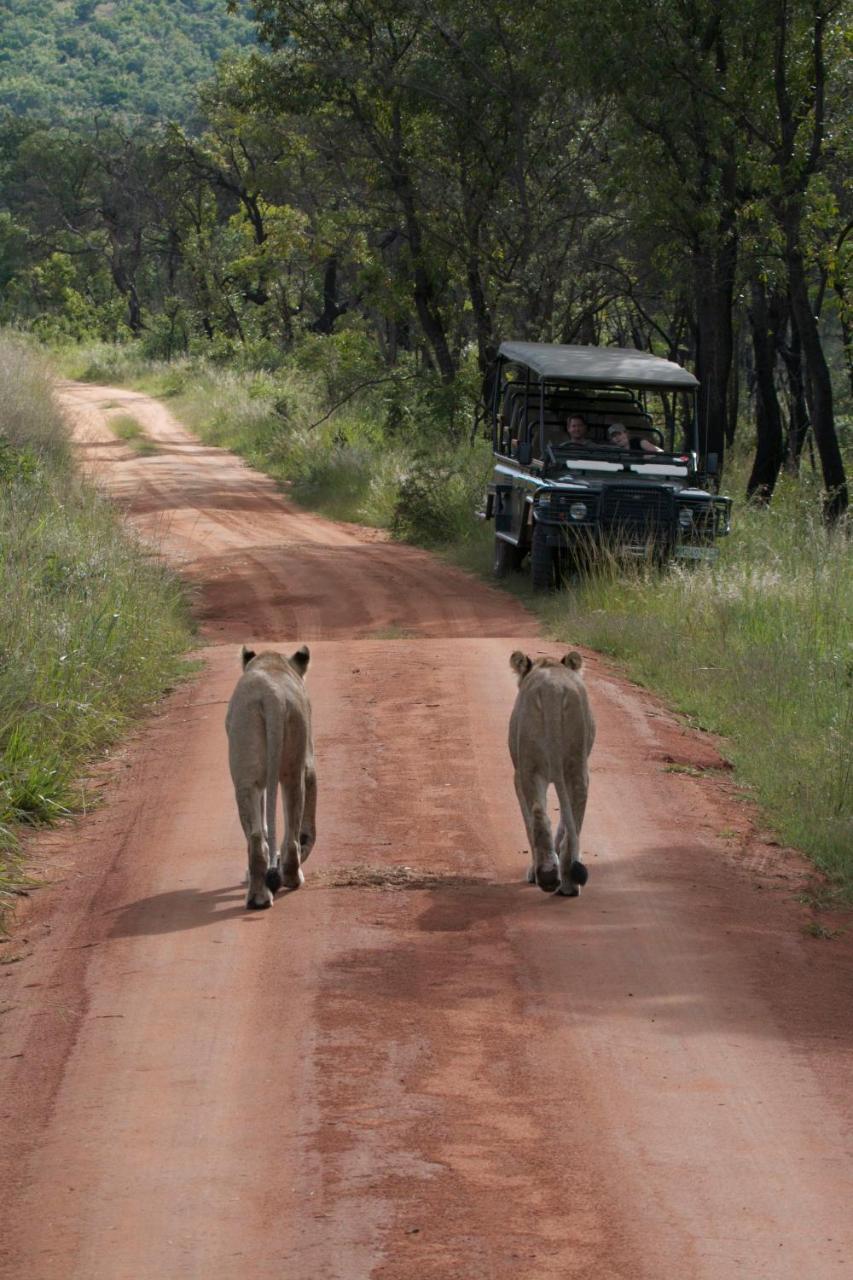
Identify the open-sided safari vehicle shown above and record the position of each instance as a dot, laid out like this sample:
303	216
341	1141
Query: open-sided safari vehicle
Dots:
559	499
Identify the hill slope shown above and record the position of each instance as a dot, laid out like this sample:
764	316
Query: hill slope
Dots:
66	58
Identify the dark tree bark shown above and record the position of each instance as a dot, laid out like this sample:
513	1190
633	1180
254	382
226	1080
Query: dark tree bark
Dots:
486	347
796	173
798	410
846	330
123	266
426	303
714	284
716	264
769	450
733	407
818	381
332	308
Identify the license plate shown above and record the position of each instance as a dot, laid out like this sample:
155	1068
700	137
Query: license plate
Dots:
696	553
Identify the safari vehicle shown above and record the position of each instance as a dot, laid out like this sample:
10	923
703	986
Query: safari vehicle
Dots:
559	501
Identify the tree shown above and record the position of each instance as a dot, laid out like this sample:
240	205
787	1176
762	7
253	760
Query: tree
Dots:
674	160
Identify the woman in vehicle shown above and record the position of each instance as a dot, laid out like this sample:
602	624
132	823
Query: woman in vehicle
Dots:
617	436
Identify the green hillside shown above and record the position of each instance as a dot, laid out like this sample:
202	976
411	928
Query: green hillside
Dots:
66	58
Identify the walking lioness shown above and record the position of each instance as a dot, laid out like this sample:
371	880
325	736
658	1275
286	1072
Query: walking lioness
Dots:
269	742
551	733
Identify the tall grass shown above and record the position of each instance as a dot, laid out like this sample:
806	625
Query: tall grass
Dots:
756	647
91	626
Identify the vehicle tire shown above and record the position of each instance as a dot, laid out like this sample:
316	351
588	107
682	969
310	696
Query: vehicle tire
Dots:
543	561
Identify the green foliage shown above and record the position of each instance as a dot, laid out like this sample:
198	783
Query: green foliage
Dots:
138	57
91	627
756	648
438	496
386	190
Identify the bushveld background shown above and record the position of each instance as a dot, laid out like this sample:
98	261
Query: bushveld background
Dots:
310	226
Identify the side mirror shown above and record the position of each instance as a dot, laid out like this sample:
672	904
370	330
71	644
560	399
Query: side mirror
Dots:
712	464
525	452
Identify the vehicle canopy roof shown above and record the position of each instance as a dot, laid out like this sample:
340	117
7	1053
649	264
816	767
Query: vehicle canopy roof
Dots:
624	366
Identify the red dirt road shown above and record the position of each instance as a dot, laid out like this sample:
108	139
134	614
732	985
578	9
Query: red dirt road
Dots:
417	1067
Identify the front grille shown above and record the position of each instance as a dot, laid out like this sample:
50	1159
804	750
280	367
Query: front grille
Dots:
635	510
561	500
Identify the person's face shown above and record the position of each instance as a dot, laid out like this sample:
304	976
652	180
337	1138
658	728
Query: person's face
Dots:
576	428
620	438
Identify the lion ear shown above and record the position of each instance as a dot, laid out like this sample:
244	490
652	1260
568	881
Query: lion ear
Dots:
520	663
246	656
573	659
300	659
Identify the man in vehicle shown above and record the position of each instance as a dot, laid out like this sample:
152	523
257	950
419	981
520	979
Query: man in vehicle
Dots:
617	437
576	429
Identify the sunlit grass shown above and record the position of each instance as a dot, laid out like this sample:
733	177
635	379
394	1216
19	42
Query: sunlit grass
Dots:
126	428
92	627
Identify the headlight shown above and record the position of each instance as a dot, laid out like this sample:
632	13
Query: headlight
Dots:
685	517
577	510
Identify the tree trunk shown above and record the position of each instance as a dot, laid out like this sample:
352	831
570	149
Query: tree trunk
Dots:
714	281
432	324
325	322
126	286
798	411
846	332
819	384
733	405
426	304
486	349
768	418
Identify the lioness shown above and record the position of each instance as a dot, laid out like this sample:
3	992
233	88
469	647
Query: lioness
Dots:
269	742
551	733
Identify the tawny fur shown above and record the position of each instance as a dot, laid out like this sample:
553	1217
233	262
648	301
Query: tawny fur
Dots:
270	745
551	733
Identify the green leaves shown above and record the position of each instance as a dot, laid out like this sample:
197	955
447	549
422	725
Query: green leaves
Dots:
142	57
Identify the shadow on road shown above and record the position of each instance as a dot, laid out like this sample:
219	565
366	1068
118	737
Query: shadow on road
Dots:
178	910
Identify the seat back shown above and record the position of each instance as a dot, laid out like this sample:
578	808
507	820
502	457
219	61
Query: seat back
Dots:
520	415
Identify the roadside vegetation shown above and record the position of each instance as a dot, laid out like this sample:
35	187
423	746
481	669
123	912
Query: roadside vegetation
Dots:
756	647
91	626
343	438
126	428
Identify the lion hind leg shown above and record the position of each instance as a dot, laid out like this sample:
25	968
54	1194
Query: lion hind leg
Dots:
546	870
308	825
573	873
294	806
249	807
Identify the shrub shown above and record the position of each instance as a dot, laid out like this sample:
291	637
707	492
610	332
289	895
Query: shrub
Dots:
91	627
437	499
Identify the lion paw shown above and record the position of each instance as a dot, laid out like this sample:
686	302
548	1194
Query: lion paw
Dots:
259	901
